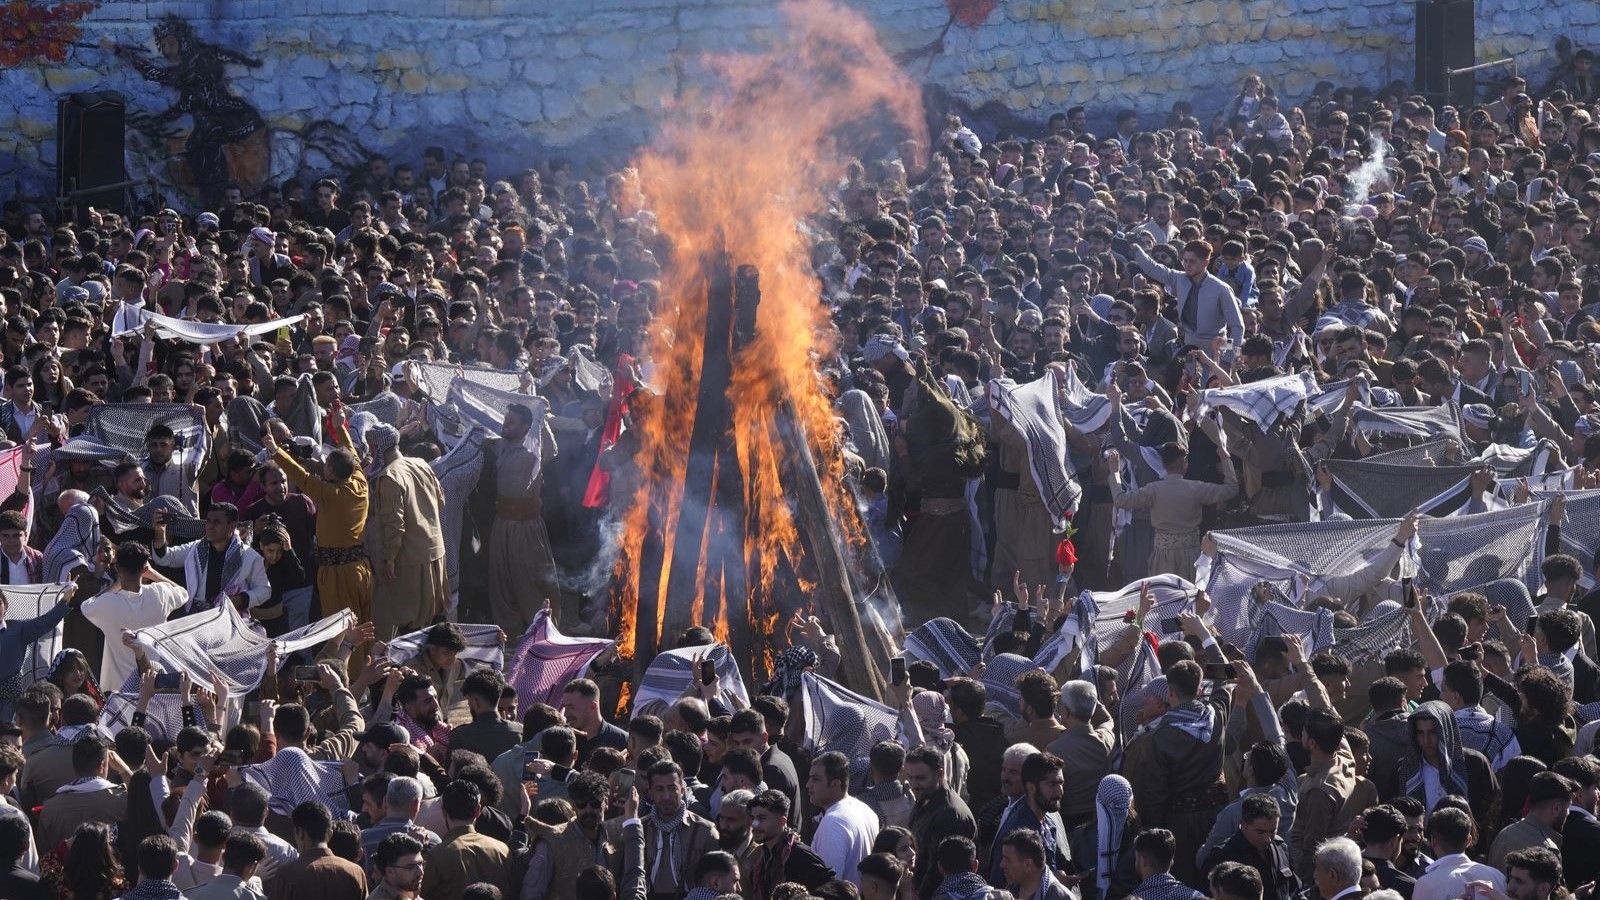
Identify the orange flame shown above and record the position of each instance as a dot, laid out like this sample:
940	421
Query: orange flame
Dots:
747	169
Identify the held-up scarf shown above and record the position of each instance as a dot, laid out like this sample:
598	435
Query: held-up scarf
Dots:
1111	804
75	543
668	834
1031	410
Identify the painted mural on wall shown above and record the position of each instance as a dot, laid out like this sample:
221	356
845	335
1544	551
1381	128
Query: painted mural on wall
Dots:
258	92
227	140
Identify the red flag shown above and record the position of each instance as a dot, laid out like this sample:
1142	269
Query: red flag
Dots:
622	386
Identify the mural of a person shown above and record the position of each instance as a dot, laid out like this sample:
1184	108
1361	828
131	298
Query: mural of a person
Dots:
228	140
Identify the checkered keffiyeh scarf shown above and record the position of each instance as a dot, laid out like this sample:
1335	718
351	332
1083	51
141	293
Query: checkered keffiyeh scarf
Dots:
787	671
75	543
1517	462
837	718
458	471
221	642
471	404
29	601
1101	618
1314	627
944	643
1369	490
1112	801
1580	530
483	647
163	717
1164	887
1031	409
867	434
1403	426
1087	411
292	777
1000	681
123	525
1462	552
124	426
1430	453
544	660
1294	558
387	407
435	378
1375	637
671	673
1263	402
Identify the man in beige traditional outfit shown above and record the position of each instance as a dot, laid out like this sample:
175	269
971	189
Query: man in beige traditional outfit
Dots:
408	540
521	567
1025	538
1176	503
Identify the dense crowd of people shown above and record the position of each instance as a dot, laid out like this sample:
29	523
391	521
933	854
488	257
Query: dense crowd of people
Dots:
272	459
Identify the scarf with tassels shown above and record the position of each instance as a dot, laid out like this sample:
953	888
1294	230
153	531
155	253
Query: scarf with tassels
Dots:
668	833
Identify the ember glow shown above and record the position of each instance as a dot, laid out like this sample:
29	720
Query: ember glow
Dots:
737	172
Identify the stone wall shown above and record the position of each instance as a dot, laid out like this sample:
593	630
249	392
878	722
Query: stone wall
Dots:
513	79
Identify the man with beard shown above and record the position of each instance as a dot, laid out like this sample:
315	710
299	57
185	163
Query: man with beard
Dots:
1043	786
165	475
733	827
562	851
674	837
131	486
296	511
780	854
418	714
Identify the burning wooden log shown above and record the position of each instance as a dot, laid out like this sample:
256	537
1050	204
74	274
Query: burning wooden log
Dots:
834	592
707	440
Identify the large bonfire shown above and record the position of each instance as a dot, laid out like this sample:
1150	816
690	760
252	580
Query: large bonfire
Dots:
714	534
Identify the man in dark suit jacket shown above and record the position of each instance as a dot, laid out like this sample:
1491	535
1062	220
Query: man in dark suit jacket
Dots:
16	882
1383	828
487	733
1256	844
939	813
749	729
1580	833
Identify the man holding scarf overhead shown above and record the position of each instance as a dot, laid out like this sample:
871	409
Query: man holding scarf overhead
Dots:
218	564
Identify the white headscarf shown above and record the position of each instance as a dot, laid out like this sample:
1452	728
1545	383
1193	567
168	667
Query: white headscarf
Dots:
1111	804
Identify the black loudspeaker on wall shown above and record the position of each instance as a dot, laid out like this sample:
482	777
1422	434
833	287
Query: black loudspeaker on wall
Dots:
1446	39
90	138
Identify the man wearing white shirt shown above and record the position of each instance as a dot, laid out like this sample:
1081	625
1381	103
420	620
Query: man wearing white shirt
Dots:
132	605
19	563
1450	831
216	565
848	827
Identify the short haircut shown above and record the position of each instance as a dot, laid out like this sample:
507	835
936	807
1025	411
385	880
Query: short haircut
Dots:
242	851
315	819
484	684
956	854
1236	880
1324	730
926	756
1381	824
771	801
248	805
1158	845
596	883
394	846
887	758
462	801
1039	766
835	767
1341	858
743	761
1542	864
884	867
89	753
1387	693
14	836
158	857
1268	763
1026	844
403	792
212	829
1450	827
717	862
1259	806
